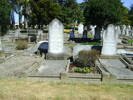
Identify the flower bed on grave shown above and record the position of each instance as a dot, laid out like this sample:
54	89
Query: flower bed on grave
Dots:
85	68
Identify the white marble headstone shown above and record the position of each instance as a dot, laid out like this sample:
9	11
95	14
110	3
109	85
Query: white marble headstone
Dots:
56	37
123	29
80	28
110	41
118	33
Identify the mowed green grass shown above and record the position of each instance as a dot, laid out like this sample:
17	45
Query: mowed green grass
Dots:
35	89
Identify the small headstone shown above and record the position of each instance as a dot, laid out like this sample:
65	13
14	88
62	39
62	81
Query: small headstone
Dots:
118	32
84	34
78	48
93	29
110	41
123	29
80	28
127	30
72	36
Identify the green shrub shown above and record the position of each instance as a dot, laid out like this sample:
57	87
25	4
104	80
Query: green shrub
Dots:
82	70
70	27
130	41
21	45
87	58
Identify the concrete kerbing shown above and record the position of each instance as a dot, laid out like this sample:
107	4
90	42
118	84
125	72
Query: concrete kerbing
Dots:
109	57
127	62
62	56
67	67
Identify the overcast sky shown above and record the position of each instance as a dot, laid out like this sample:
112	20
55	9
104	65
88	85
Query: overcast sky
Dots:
127	3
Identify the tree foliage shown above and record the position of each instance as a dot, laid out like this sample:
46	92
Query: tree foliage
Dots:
71	12
125	18
4	16
131	15
43	11
103	12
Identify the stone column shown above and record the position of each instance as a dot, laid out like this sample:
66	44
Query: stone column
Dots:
56	40
109	41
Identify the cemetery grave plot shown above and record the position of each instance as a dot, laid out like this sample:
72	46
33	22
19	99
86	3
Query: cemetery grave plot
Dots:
117	69
78	71
128	61
19	66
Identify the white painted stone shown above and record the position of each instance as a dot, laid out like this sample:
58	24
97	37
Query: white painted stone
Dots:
80	28
79	48
109	41
123	51
124	30
56	37
127	30
118	33
93	29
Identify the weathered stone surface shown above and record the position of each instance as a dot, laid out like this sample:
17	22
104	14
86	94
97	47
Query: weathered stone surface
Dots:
79	48
56	37
110	41
52	67
0	45
80	28
117	68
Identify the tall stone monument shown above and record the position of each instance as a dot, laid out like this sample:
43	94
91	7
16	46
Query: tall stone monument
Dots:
56	40
109	41
80	28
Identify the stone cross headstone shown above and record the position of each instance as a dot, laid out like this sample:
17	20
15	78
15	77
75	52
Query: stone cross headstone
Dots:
110	41
56	37
80	28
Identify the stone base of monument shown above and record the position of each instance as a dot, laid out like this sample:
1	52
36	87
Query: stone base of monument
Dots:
62	56
109	57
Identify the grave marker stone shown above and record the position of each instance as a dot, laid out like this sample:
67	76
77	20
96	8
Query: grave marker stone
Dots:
110	41
80	28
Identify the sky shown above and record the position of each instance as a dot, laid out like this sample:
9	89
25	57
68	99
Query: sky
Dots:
126	3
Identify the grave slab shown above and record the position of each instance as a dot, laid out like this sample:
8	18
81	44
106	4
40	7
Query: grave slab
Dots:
52	68
117	68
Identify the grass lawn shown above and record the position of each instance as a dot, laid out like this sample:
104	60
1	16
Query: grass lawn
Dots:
35	89
130	41
92	43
